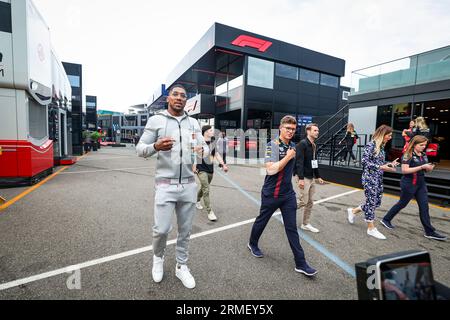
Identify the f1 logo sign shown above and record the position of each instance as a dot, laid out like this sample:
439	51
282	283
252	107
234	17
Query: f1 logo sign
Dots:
247	41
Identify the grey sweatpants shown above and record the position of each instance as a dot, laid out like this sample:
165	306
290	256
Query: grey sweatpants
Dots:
181	200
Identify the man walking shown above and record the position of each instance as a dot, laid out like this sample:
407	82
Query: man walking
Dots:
278	193
177	139
222	146
307	170
205	172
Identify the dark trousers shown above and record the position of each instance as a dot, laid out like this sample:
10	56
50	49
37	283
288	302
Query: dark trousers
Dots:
288	207
87	146
420	193
348	150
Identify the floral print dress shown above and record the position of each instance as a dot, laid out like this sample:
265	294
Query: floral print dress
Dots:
372	180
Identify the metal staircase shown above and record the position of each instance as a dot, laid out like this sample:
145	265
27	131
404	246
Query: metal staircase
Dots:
332	131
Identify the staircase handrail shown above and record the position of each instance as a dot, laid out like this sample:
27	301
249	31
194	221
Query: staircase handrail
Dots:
334	115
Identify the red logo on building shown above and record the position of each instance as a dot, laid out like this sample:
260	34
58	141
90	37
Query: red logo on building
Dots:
247	41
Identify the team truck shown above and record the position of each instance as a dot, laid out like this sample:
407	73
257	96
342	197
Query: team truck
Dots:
35	96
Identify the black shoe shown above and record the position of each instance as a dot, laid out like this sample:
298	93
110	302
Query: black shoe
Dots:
436	236
387	224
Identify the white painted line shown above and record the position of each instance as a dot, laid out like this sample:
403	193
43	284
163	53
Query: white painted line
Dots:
277	213
337	196
109	158
80	266
105	170
16	283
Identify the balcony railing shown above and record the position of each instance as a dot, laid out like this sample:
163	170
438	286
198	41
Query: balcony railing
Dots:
422	68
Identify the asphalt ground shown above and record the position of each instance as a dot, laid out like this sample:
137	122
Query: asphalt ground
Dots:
85	222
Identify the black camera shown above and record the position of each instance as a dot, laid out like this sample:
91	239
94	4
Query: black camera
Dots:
399	276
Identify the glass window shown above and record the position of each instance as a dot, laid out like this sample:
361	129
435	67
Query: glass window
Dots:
285	71
129	121
260	73
37	120
433	66
278	116
345	95
225	88
143	121
222	89
309	76
329	81
74	81
236	83
402	116
384	116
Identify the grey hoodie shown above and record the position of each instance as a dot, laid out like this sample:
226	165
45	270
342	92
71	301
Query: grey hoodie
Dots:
177	163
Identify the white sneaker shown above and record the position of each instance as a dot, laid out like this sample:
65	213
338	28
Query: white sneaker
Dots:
212	216
158	269
376	234
351	216
309	227
199	206
184	274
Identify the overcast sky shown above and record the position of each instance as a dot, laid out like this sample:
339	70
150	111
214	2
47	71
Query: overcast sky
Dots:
128	48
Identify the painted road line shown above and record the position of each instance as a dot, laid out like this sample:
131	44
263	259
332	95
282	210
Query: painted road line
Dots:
105	170
316	245
72	268
335	259
31	189
83	156
395	197
16	283
106	158
336	197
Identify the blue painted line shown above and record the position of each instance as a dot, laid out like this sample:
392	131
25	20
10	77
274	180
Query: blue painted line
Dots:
335	259
245	193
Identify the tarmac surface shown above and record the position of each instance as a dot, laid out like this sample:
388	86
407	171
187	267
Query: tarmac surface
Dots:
86	234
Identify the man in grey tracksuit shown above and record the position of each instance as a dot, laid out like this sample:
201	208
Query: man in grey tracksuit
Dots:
177	140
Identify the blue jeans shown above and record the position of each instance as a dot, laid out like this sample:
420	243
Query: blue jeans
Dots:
288	207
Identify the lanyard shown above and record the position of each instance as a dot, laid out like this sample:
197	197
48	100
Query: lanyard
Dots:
314	150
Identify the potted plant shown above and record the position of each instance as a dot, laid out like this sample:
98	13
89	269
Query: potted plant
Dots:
95	136
86	134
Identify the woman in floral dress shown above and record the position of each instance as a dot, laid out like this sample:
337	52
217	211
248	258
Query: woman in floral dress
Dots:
374	165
